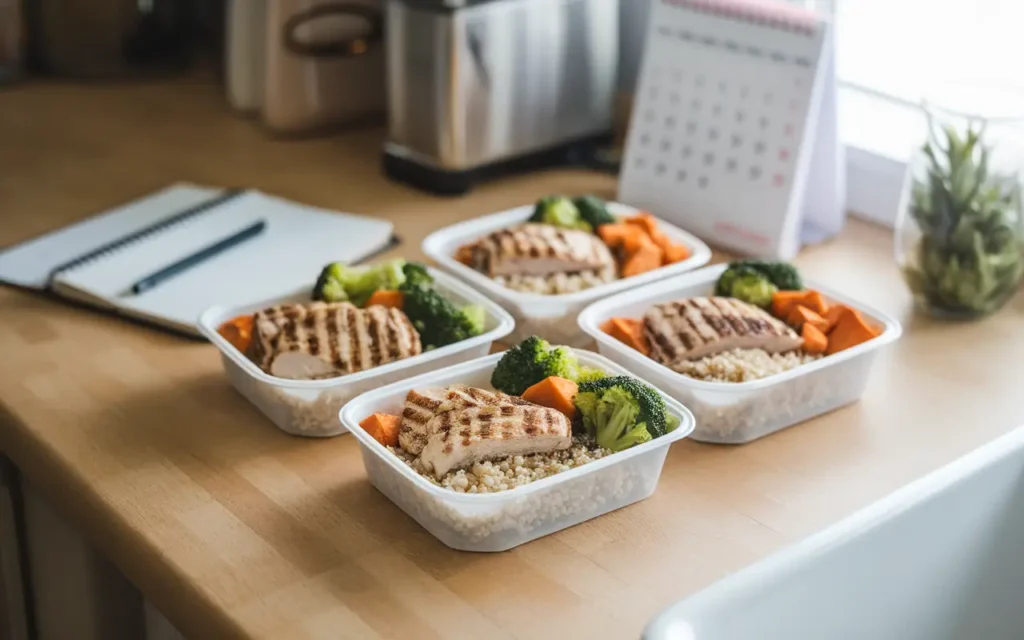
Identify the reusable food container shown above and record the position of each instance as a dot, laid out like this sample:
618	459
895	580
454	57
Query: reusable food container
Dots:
939	559
549	316
506	519
739	412
310	407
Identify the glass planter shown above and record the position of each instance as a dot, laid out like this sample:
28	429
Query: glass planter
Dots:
960	229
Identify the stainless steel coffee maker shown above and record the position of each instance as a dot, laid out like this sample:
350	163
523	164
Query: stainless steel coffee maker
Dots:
481	87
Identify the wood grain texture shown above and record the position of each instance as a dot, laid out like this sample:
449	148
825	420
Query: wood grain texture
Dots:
234	529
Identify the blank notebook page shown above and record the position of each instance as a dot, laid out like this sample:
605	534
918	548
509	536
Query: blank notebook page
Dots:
297	242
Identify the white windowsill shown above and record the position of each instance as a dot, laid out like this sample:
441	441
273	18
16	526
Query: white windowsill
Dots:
880	135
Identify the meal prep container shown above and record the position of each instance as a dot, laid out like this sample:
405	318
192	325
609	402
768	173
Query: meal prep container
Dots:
552	317
500	521
310	407
939	559
735	413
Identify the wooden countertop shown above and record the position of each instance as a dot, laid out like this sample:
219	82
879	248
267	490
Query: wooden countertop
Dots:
234	529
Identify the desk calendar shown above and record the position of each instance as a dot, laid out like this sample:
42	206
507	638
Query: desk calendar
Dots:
733	133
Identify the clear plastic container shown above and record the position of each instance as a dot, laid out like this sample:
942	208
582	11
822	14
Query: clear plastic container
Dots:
503	520
735	413
550	316
310	407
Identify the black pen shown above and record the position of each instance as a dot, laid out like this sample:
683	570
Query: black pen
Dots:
184	264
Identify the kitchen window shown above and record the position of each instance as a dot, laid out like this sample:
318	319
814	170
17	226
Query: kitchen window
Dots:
893	53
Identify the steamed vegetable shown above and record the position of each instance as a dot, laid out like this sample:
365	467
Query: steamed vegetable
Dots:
620	412
383	428
386	298
753	287
238	331
782	275
534	359
559	211
438	320
593	211
610	417
340	282
555	393
629	331
968	260
651	407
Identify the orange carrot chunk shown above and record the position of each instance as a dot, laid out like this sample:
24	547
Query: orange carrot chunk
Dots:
644	259
815	341
386	298
784	301
676	252
801	314
645	221
616	235
631	332
555	393
238	331
850	331
382	427
836	313
815	302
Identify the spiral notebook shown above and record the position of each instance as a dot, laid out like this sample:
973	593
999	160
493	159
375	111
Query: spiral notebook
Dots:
96	261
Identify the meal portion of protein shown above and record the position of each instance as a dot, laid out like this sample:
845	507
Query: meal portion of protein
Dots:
357	318
568	245
760	321
544	414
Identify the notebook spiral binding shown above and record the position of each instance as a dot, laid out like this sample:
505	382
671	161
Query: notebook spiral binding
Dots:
771	14
123	241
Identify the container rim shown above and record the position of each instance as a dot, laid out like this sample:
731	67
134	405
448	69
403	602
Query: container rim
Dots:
348	418
588	323
474	228
211	318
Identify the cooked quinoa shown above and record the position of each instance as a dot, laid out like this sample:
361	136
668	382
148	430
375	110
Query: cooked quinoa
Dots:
556	283
743	365
502	474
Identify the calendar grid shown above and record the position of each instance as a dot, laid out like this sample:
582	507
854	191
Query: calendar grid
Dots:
720	115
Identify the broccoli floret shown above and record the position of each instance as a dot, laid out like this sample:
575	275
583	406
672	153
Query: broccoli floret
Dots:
534	359
587	374
476	316
559	211
729	277
521	366
416	275
339	282
610	417
329	287
651	406
782	274
593	211
754	288
437	319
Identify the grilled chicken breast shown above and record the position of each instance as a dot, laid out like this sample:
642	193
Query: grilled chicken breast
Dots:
470	434
537	249
697	327
318	340
422	406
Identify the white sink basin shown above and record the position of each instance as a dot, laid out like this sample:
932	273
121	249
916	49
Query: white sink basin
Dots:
941	559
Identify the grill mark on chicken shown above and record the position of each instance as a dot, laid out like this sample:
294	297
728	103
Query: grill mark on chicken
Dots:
333	329
696	327
527	429
329	339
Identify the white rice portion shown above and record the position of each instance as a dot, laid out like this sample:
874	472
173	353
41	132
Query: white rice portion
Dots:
503	474
742	365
